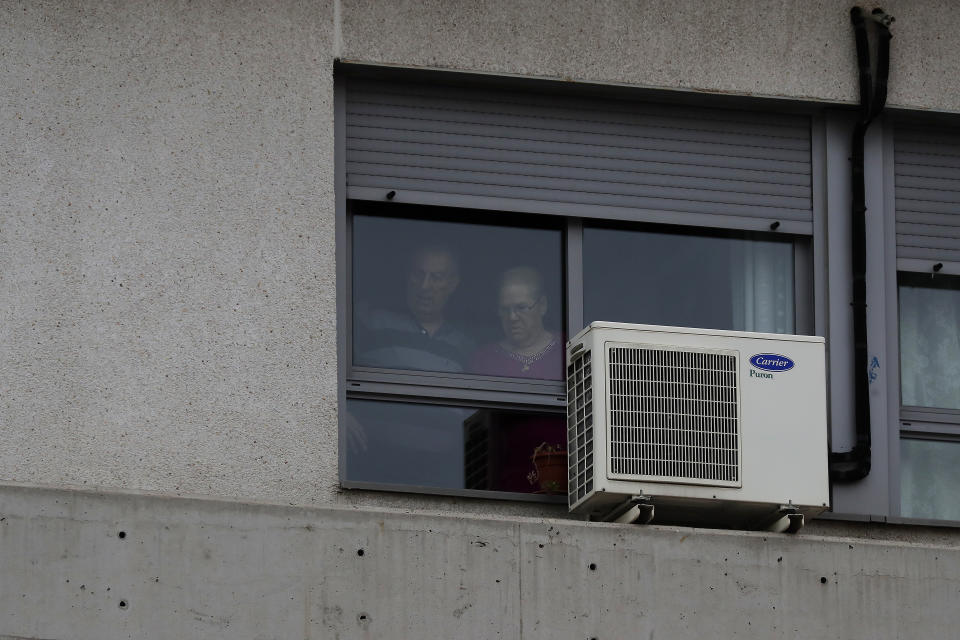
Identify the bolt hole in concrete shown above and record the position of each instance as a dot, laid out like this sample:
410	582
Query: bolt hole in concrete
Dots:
360	552
823	580
122	535
123	604
593	566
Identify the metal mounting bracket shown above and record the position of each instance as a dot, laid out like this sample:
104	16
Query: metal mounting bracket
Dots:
786	519
634	510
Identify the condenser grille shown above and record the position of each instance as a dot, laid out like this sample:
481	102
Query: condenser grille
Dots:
673	414
579	427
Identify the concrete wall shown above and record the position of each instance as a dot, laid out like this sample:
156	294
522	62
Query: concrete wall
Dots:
166	267
166	204
203	569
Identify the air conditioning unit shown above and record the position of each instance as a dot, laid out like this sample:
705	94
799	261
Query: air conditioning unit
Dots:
696	426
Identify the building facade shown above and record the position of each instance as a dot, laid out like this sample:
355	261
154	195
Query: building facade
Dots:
220	416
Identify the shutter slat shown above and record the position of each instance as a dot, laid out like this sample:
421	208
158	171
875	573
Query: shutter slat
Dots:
928	182
927	253
548	105
904	171
926	150
560	154
387	183
581	210
918	217
707	190
514	147
681	141
937	233
393	116
941	196
918	163
647	163
363	162
928	206
926	138
927	241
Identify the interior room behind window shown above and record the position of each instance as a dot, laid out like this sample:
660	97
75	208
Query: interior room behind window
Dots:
456	297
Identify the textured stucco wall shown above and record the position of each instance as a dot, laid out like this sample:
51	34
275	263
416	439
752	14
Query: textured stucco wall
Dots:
778	48
166	247
167	214
206	569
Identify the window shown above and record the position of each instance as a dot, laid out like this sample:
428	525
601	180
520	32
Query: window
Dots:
459	317
927	231
930	341
929	313
458	326
684	279
484	225
442	295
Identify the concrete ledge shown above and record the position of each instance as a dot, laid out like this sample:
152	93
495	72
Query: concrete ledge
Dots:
85	565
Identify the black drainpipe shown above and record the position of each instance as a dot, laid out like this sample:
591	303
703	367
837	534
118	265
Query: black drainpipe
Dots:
848	466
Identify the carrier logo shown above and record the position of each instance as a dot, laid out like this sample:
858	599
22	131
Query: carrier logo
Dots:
771	362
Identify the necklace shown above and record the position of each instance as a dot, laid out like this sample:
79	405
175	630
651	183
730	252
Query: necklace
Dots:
528	360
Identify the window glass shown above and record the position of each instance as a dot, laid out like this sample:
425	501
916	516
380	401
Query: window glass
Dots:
929	479
452	447
930	340
688	280
431	295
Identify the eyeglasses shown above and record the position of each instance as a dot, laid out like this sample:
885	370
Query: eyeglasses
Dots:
519	309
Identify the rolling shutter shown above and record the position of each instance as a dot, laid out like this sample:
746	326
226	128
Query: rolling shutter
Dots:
927	179
481	147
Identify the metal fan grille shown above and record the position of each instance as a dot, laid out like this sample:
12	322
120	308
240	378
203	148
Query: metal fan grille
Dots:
673	414
579	427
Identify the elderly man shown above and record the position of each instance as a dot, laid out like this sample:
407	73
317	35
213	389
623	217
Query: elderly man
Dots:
420	337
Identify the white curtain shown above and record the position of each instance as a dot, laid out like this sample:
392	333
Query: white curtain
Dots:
929	479
930	347
762	276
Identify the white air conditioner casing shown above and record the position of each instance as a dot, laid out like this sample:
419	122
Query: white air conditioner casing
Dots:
685	419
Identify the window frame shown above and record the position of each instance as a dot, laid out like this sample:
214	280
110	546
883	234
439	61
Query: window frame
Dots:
906	422
438	388
485	391
932	424
804	309
484	385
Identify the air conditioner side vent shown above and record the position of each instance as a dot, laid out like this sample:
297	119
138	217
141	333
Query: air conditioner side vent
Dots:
579	426
673	414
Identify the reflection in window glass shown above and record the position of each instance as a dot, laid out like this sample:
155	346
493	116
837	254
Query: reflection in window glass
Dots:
930	340
457	297
930	479
449	447
688	280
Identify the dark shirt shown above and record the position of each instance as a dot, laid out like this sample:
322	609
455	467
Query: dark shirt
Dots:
394	340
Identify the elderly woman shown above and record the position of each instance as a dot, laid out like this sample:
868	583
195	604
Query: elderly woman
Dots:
527	349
